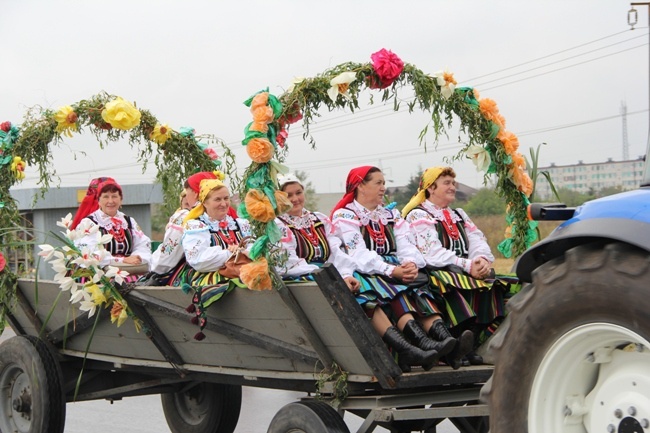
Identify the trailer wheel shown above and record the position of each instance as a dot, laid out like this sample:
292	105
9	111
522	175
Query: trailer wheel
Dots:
307	417
574	354
31	397
203	408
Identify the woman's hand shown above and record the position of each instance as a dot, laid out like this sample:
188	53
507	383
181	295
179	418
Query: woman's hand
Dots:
480	268
353	284
132	260
233	248
405	272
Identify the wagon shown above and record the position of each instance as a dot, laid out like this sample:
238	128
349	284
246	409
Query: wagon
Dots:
311	337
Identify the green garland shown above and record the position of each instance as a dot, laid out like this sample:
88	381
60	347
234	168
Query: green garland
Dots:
176	155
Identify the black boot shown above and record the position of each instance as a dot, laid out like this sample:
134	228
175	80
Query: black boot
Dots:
414	332
408	355
464	345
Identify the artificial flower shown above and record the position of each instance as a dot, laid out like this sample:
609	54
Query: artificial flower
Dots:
65	221
259	206
260	150
518	160
294	83
256	275
118	313
212	154
66	120
262	116
161	133
479	156
282	201
490	111
388	66
117	274
521	180
281	138
290	115
509	140
446	81
341	84
259	100
5	126
3	262
121	114
96	293
219	174
18	168
87	304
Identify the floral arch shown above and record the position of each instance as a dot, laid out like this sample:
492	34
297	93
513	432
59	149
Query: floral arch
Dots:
490	145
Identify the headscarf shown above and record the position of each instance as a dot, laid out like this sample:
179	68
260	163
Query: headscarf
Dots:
288	178
355	178
90	202
194	181
206	186
429	176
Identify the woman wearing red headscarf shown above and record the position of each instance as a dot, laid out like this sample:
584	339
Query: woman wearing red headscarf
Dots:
101	207
388	269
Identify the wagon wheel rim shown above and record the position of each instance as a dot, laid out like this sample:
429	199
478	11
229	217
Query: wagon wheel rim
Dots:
15	411
592	379
193	405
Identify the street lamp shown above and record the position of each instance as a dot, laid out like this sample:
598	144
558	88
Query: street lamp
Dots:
632	18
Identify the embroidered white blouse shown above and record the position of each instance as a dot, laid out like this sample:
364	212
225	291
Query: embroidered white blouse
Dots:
141	244
347	224
170	251
423	226
196	242
296	266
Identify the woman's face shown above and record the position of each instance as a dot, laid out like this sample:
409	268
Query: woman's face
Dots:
110	202
296	195
444	193
371	193
217	203
191	197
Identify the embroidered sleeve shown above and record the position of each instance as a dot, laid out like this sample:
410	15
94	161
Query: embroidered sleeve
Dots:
141	243
406	249
170	252
348	229
294	266
244	227
199	253
341	261
478	245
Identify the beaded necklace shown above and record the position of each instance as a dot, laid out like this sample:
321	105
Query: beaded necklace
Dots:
116	230
449	225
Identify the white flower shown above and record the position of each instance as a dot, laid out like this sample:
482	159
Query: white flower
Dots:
86	259
101	240
479	156
446	81
76	294
85	228
61	269
294	82
66	283
65	222
47	251
88	305
116	273
340	85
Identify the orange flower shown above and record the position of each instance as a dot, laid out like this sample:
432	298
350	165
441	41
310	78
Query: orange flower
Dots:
256	275
262	116
283	203
259	100
259	206
260	150
509	140
521	180
518	160
490	111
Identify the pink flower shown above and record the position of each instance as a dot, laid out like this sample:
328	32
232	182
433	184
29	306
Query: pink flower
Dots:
211	153
281	137
5	126
3	262
387	66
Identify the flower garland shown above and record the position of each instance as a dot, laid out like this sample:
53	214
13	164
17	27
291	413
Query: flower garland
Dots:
176	153
490	145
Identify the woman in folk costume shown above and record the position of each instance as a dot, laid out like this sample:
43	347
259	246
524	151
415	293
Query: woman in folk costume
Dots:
211	237
101	207
308	239
169	255
458	256
388	269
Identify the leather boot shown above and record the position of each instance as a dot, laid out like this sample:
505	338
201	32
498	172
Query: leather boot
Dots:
464	345
414	332
408	355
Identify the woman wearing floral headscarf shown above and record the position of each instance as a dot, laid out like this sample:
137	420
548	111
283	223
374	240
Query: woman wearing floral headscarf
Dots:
101	207
388	269
211	237
457	254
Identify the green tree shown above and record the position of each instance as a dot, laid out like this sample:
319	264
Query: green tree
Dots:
610	190
485	202
573	198
403	195
311	202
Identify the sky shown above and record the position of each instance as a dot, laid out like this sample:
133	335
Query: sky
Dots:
559	70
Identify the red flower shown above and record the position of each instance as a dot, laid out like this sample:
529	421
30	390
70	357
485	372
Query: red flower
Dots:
281	137
291	116
387	66
223	224
5	126
211	153
3	262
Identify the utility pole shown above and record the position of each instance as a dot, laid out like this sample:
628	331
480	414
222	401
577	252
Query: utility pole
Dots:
632	18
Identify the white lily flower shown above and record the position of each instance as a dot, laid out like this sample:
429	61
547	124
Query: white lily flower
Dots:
76	295
66	283
117	273
89	306
47	251
65	222
340	85
479	156
446	81
294	82
86	259
101	240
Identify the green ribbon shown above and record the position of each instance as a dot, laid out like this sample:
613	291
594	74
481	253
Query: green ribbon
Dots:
505	248
249	134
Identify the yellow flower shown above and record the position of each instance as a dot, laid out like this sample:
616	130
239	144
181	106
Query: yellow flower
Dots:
219	174
67	120
118	313
18	167
96	293
161	133
121	114
341	84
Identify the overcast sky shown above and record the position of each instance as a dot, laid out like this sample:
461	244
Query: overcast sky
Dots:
559	71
